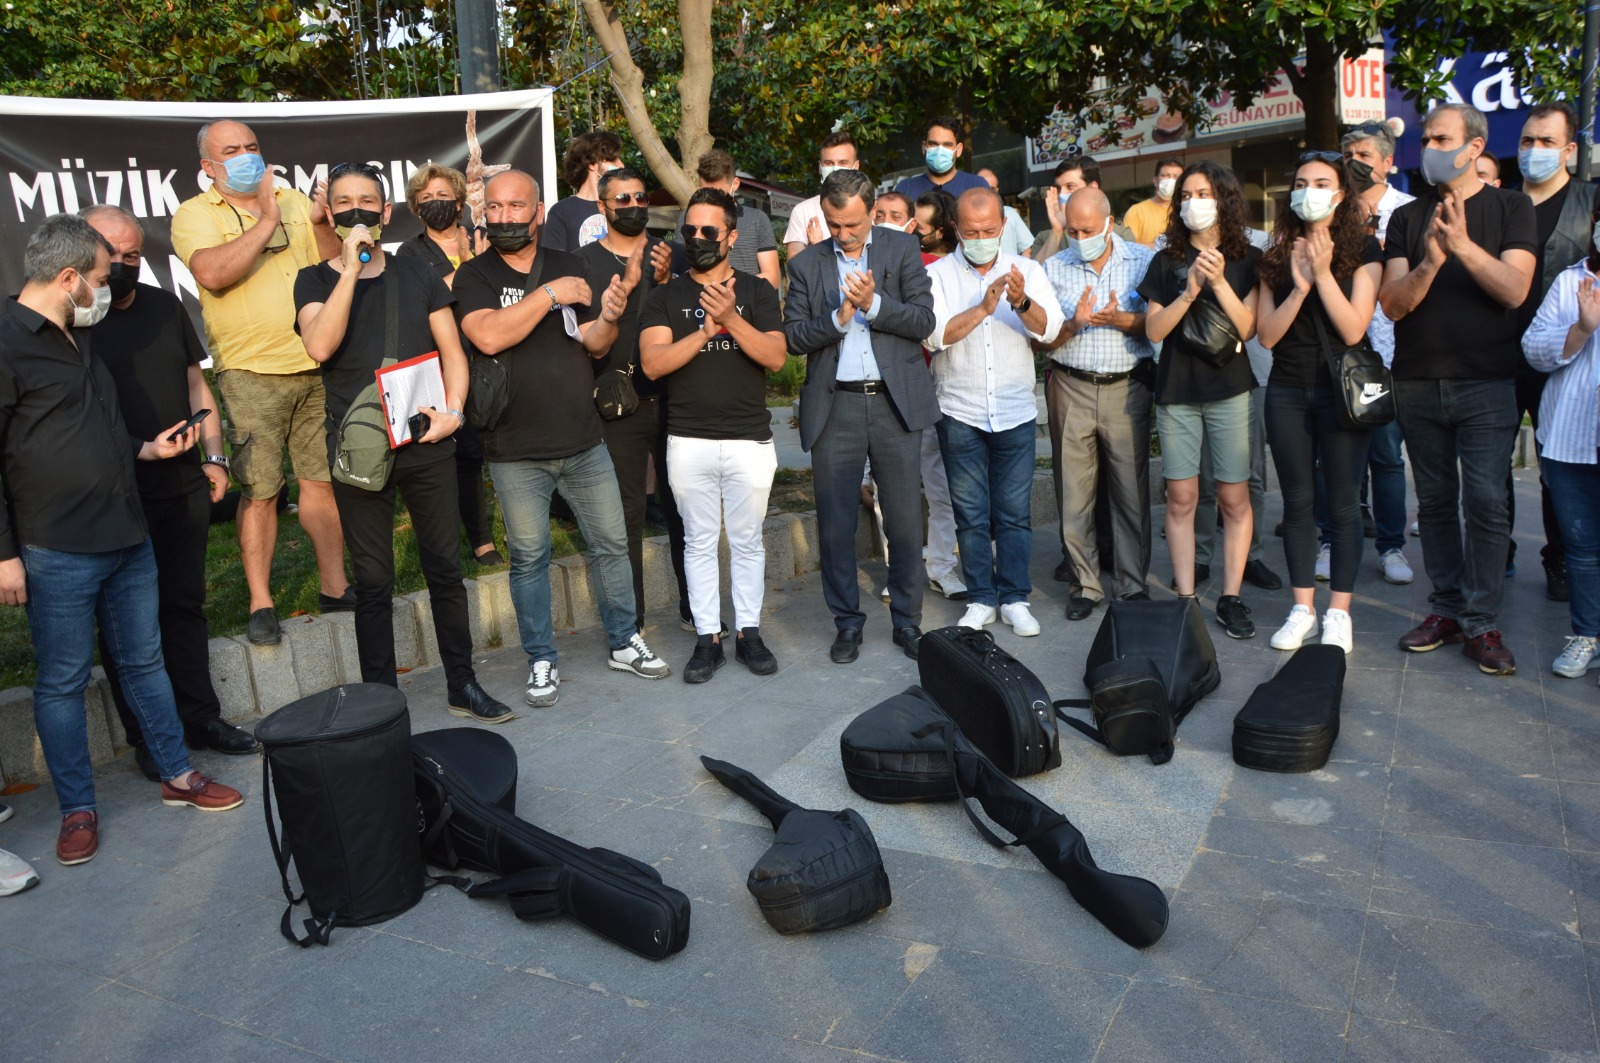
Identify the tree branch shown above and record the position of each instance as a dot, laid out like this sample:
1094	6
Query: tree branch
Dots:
628	80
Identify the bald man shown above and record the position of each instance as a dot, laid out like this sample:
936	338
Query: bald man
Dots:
1099	401
245	239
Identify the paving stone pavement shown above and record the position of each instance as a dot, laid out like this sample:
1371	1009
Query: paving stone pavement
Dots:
1432	894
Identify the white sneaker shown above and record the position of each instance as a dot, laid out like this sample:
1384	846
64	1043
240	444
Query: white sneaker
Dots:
1416	529
1336	630
884	594
544	684
1395	567
1324	563
1301	625
977	617
636	657
16	874
949	585
1577	658
1020	618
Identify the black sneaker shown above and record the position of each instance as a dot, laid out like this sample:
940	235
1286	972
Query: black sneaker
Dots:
1234	616
705	660
754	653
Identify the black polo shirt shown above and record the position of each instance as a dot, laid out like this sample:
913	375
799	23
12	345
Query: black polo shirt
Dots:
66	458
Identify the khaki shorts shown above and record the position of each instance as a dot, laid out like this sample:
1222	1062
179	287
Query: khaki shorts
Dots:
267	413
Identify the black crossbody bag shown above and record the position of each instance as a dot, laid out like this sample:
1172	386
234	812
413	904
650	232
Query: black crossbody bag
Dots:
488	379
1362	386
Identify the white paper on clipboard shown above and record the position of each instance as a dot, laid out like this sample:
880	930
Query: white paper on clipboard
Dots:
406	385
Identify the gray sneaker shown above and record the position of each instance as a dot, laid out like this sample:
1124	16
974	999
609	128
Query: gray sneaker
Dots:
636	657
1578	657
16	874
544	683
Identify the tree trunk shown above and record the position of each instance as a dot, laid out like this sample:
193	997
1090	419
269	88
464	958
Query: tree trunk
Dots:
628	80
694	87
1318	89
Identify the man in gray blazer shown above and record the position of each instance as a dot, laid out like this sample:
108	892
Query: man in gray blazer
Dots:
860	304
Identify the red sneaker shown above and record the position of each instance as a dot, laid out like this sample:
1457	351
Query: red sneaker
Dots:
207	795
79	839
1492	657
1432	633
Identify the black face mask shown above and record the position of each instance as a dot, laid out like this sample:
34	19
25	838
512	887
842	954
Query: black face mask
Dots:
930	243
349	219
1360	173
123	277
630	221
704	255
509	236
439	214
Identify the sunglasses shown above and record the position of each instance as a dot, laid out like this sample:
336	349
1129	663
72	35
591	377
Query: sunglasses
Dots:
1370	128
638	198
344	169
1333	158
704	232
273	243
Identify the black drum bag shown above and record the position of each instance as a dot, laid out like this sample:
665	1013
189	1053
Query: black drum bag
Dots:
464	802
883	761
1291	721
823	869
999	704
339	763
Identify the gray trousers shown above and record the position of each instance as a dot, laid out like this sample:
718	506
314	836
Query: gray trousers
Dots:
1205	512
1103	430
861	427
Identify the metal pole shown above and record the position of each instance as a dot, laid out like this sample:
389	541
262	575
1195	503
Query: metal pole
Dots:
1591	45
477	43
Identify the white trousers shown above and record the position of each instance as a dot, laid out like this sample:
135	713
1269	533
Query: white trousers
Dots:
718	482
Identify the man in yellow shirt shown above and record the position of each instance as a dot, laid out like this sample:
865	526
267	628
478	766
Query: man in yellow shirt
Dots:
1148	219
245	239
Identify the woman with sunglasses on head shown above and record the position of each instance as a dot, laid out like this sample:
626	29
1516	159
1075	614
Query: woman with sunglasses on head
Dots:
1562	342
1319	288
1202	396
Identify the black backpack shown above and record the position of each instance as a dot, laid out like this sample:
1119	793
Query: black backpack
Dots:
1149	664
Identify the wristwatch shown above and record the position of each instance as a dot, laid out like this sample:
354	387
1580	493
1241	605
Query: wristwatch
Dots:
217	459
457	414
1024	306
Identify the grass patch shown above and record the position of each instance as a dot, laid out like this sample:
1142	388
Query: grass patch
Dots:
792	492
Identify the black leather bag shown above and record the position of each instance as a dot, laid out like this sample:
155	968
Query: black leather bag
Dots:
1363	387
614	395
1000	705
1207	333
1292	720
823	870
885	757
488	379
339	763
464	802
1149	664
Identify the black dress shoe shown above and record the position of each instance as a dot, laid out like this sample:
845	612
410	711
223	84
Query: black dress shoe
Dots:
477	703
1258	573
146	764
754	653
263	629
1080	608
223	737
1065	571
345	603
846	645
490	556
908	638
1141	596
1201	574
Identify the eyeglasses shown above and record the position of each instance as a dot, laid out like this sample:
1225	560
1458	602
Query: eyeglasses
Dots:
1332	158
704	232
273	246
622	200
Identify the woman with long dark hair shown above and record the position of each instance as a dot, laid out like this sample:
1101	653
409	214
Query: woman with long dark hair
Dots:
1562	342
1319	287
1203	395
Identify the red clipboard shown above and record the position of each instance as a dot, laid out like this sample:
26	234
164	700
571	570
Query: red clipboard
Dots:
403	387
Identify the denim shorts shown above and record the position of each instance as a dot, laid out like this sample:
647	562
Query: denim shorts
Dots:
1224	426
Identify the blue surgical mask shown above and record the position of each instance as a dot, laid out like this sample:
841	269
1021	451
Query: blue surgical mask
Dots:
940	159
981	252
1539	164
245	172
1091	249
1439	164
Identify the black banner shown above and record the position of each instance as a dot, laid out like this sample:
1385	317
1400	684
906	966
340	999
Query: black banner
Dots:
64	155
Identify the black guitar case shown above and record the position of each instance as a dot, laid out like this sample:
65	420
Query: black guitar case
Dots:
1000	705
823	869
1291	721
884	761
466	792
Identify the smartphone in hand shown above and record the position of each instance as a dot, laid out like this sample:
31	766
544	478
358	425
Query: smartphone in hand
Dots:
190	423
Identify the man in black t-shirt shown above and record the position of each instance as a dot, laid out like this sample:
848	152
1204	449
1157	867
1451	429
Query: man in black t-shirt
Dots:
713	334
1458	262
149	344
526	305
355	317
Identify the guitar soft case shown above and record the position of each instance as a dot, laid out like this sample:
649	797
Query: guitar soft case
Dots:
1290	722
883	761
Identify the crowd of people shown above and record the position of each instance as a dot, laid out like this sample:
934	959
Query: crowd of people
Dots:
633	373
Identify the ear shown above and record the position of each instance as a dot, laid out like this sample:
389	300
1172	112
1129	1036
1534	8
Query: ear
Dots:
734	189
959	148
388	209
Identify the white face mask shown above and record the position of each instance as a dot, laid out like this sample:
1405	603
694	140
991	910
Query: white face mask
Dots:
99	306
981	252
1595	236
1198	214
827	168
1313	204
1166	186
1091	249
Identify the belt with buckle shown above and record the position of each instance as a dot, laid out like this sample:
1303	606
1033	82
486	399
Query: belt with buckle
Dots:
1094	378
861	387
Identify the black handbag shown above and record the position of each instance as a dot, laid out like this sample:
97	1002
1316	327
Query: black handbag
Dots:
614	396
997	701
339	763
488	379
823	869
1207	332
1362	386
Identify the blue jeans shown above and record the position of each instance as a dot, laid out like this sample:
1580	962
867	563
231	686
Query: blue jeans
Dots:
991	492
66	594
1575	492
589	484
1459	435
1387	465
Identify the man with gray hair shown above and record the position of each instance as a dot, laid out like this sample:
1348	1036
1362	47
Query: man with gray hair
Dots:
860	304
74	543
1456	262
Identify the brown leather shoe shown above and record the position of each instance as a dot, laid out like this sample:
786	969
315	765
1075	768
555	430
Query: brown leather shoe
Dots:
1492	656
1432	633
79	839
207	795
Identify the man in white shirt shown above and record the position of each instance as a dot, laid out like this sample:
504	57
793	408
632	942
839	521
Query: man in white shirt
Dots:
806	226
988	307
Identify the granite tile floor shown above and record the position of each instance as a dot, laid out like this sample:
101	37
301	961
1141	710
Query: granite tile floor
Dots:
1432	894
